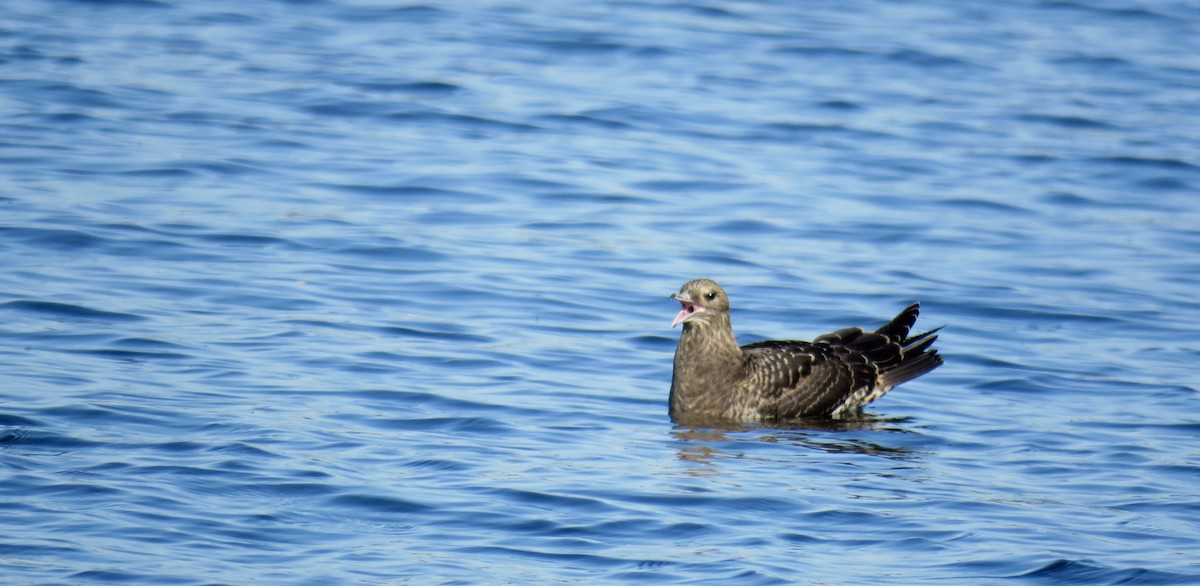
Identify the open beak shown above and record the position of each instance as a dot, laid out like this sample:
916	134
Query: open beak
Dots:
690	308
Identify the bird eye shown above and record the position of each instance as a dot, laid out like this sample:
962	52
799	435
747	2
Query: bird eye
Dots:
710	295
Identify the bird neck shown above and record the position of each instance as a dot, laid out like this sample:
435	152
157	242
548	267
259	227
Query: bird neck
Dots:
708	361
714	338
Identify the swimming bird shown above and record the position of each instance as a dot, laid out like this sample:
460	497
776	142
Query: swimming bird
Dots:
834	375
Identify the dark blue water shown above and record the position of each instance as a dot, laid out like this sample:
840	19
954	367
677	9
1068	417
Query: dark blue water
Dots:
337	292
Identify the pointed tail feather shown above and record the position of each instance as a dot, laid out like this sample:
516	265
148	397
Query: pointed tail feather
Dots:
899	326
920	342
911	369
917	358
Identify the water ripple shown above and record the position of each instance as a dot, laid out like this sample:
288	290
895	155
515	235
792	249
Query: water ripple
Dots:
67	311
368	293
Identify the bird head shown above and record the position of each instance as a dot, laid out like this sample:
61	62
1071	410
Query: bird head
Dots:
703	301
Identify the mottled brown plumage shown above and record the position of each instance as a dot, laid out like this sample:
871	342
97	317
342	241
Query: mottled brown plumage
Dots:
834	375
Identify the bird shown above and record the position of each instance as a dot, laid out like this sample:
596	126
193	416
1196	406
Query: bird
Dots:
833	376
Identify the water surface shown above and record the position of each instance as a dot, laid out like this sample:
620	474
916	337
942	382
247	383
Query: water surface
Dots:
341	292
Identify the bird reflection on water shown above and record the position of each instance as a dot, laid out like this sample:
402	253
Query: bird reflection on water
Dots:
704	443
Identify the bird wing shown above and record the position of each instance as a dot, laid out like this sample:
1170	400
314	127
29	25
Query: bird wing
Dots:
808	378
840	370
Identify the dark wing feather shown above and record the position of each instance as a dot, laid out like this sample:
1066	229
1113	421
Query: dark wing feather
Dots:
879	349
844	369
798	379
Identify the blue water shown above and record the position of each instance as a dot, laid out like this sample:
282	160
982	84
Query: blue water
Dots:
354	292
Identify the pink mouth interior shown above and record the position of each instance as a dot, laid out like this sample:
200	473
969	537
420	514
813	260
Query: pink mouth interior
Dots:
686	312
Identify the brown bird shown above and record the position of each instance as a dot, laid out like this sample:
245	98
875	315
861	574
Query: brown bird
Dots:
835	375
